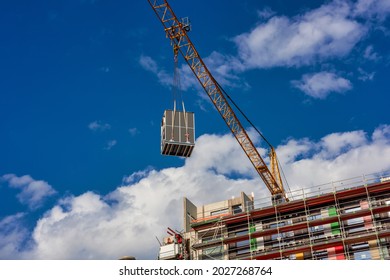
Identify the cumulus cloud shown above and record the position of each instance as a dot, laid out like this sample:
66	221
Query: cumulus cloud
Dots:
327	32
12	236
99	126
322	33
266	13
214	156
126	220
32	192
338	143
110	144
335	157
320	85
136	176
330	31
372	9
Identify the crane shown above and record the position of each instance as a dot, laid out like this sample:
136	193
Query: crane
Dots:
177	32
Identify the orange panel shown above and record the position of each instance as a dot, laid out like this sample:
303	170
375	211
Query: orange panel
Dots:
299	256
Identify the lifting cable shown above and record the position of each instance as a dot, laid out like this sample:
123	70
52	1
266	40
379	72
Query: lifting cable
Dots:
255	128
177	94
175	89
243	114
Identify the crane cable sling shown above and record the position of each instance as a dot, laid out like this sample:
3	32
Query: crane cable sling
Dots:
249	121
174	95
173	111
185	114
177	94
180	95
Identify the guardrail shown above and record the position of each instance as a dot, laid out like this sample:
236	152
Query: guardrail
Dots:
331	187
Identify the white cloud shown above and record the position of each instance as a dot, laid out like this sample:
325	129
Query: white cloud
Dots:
373	9
295	149
213	156
186	77
322	33
382	134
150	65
365	76
89	227
224	69
335	157
32	192
136	176
330	31
105	69
110	144
126	221
370	54
99	126
266	13
320	85
133	131
338	143
12	235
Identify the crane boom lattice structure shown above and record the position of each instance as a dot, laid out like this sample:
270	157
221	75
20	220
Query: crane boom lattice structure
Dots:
176	30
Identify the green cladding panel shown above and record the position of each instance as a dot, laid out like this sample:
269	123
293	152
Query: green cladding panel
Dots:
253	241
335	227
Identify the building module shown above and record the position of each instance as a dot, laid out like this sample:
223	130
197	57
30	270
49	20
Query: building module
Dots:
177	133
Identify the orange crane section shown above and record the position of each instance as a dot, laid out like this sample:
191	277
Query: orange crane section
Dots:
176	30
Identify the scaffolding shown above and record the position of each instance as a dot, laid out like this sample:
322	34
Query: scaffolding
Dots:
347	219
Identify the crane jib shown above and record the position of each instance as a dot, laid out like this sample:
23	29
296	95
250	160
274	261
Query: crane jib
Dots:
176	32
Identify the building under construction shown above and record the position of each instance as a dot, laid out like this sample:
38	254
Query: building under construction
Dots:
343	220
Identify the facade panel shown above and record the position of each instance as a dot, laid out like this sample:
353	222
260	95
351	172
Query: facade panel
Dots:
354	224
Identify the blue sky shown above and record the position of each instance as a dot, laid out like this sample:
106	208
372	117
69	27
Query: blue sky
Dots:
84	84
